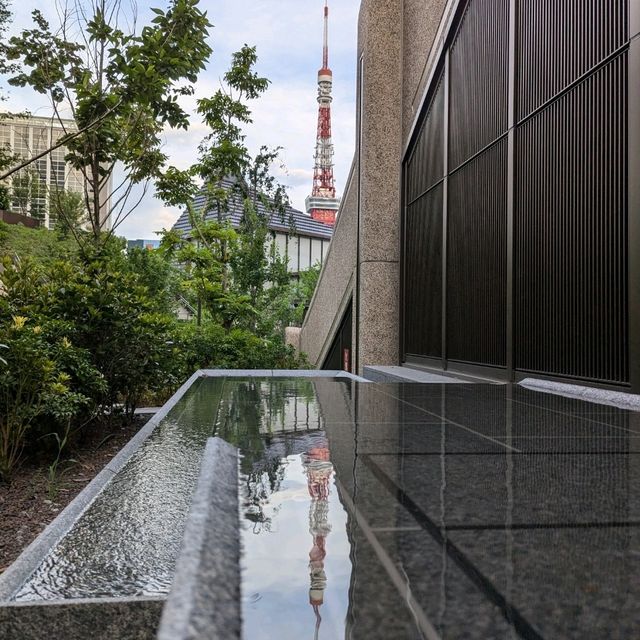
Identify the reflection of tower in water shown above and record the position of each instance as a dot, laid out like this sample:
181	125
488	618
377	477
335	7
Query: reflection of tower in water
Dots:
319	470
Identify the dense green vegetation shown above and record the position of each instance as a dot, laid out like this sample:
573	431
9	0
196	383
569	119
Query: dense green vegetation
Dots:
88	330
90	336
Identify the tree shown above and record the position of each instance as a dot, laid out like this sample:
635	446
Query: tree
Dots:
28	194
6	157
237	275
121	89
5	20
67	210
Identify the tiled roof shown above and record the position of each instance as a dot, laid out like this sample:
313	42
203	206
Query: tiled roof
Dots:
303	224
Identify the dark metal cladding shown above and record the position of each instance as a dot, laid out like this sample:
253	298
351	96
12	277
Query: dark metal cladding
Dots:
565	280
477	259
479	62
570	233
426	166
561	40
340	354
423	286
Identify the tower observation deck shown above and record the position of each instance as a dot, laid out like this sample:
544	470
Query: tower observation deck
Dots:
322	204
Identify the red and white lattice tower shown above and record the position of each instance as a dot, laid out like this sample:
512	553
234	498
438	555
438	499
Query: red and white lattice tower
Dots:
322	204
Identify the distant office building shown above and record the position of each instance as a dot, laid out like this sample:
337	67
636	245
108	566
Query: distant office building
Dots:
303	240
143	244
31	187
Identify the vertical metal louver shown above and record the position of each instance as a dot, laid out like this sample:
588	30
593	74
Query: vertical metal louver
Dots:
560	40
426	165
535	213
477	259
570	233
423	280
479	62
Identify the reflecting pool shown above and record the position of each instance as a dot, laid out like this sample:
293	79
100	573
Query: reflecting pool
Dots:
385	511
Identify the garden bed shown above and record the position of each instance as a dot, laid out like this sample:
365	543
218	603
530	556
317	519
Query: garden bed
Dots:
32	500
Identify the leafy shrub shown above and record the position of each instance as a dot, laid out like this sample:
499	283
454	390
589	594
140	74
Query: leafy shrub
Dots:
90	336
38	393
211	347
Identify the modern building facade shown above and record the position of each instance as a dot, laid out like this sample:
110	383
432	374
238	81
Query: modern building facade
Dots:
31	187
303	240
506	239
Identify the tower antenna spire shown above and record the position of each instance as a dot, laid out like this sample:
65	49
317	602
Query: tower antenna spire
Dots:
325	41
322	204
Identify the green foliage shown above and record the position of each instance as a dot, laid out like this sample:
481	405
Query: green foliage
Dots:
304	290
41	245
90	335
122	88
36	389
68	211
5	200
206	269
6	157
5	21
96	330
97	342
237	276
160	276
211	347
115	318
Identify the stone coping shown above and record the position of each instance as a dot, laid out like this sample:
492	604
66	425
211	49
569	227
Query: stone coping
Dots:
379	373
134	618
281	373
609	397
205	595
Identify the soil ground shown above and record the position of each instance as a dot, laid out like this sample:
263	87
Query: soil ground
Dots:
32	501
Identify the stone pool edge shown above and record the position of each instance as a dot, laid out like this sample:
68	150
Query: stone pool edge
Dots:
131	618
204	601
27	562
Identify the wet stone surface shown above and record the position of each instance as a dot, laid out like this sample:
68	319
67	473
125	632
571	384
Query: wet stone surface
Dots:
386	511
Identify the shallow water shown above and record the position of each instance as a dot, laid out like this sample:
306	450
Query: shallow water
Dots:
127	541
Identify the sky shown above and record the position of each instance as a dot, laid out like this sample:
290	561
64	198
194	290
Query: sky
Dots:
288	37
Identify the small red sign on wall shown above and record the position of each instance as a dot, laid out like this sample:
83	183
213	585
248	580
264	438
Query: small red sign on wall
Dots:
346	360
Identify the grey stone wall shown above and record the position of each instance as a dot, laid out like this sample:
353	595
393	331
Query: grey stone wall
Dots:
380	148
204	602
98	619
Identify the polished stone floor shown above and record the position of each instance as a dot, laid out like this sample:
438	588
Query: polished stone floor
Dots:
486	511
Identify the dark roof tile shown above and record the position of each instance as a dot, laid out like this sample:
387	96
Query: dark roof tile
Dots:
303	224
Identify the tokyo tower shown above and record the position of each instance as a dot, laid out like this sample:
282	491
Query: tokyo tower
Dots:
322	204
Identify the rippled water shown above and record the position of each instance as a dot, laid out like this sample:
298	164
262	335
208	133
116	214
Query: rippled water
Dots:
127	541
